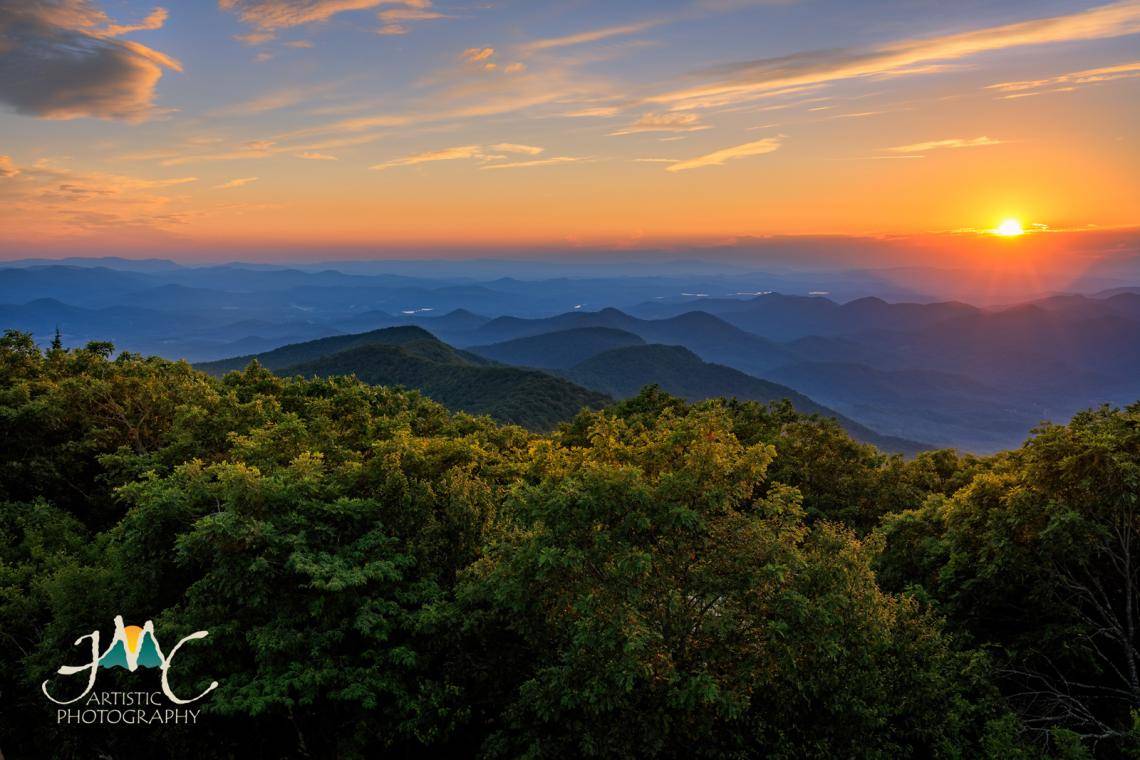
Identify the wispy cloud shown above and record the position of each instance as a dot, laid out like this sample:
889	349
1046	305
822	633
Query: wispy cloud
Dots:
581	38
246	150
952	143
663	122
853	115
593	112
491	156
475	55
213	149
8	167
272	101
719	157
394	21
532	92
1068	82
270	15
555	160
747	80
530	150
239	182
484	58
58	201
447	154
153	21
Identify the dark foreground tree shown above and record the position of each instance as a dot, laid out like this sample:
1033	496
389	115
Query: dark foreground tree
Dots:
1039	560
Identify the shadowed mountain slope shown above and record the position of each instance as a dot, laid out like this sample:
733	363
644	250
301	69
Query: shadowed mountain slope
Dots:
622	372
558	350
412	358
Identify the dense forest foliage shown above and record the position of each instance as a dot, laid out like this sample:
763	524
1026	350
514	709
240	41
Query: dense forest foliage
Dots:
380	576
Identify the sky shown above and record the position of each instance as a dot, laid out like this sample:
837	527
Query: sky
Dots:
363	126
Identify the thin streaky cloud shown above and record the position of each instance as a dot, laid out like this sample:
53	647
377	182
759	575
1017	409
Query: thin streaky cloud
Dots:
493	107
394	21
272	101
233	183
447	154
488	154
952	143
719	157
857	114
1088	76
410	14
530	150
877	158
663	122
600	112
538	162
282	14
750	79
247	150
581	38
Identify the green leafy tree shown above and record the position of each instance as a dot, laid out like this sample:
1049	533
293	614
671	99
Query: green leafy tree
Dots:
666	602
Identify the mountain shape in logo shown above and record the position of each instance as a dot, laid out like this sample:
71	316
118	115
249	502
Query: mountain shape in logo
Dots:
132	648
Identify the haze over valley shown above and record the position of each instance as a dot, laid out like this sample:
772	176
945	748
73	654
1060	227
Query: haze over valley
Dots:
904	374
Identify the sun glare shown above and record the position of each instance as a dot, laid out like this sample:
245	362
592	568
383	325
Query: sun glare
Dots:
1009	228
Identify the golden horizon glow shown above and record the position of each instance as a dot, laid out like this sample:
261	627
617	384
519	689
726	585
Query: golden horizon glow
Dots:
506	127
1009	228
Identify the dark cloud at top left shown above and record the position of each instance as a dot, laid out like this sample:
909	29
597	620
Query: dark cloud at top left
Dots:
64	59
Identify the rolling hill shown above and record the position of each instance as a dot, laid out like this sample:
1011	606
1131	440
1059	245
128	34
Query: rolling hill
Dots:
708	336
298	353
412	358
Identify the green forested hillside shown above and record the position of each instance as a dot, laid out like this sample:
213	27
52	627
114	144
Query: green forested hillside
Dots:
412	358
298	353
381	577
524	397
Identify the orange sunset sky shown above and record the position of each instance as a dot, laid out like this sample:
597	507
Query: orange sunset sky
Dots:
316	125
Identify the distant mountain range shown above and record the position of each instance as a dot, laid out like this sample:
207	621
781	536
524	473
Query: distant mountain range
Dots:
949	374
945	373
413	358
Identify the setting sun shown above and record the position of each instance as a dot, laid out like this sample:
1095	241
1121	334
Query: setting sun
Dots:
1009	228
